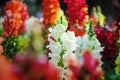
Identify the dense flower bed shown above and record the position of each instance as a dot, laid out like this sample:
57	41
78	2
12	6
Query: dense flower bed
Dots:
75	46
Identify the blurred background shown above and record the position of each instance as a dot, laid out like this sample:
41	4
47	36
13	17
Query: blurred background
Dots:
109	7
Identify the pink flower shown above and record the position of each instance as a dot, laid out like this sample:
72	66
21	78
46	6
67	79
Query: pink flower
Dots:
89	70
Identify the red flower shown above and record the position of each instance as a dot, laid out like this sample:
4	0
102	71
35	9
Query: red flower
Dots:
28	67
90	69
107	40
76	15
50	8
18	9
91	65
78	32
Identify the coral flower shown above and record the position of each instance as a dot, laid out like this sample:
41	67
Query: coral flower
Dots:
50	11
18	8
76	14
11	24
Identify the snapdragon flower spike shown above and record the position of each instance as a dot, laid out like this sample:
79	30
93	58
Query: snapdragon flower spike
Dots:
107	40
18	7
50	8
76	15
89	41
89	69
11	24
62	43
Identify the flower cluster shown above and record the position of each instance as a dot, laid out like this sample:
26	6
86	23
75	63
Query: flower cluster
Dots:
85	43
88	41
61	46
76	15
15	17
50	11
13	25
106	38
89	69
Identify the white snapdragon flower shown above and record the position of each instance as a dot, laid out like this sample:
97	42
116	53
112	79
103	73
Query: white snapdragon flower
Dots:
55	58
85	43
62	43
57	31
68	41
54	47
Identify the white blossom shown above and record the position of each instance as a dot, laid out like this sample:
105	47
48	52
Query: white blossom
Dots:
68	41
54	47
54	58
62	44
57	31
85	43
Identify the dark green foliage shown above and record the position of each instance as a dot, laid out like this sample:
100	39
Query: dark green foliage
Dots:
10	46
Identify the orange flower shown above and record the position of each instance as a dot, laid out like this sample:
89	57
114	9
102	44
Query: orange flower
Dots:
50	11
11	24
15	17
